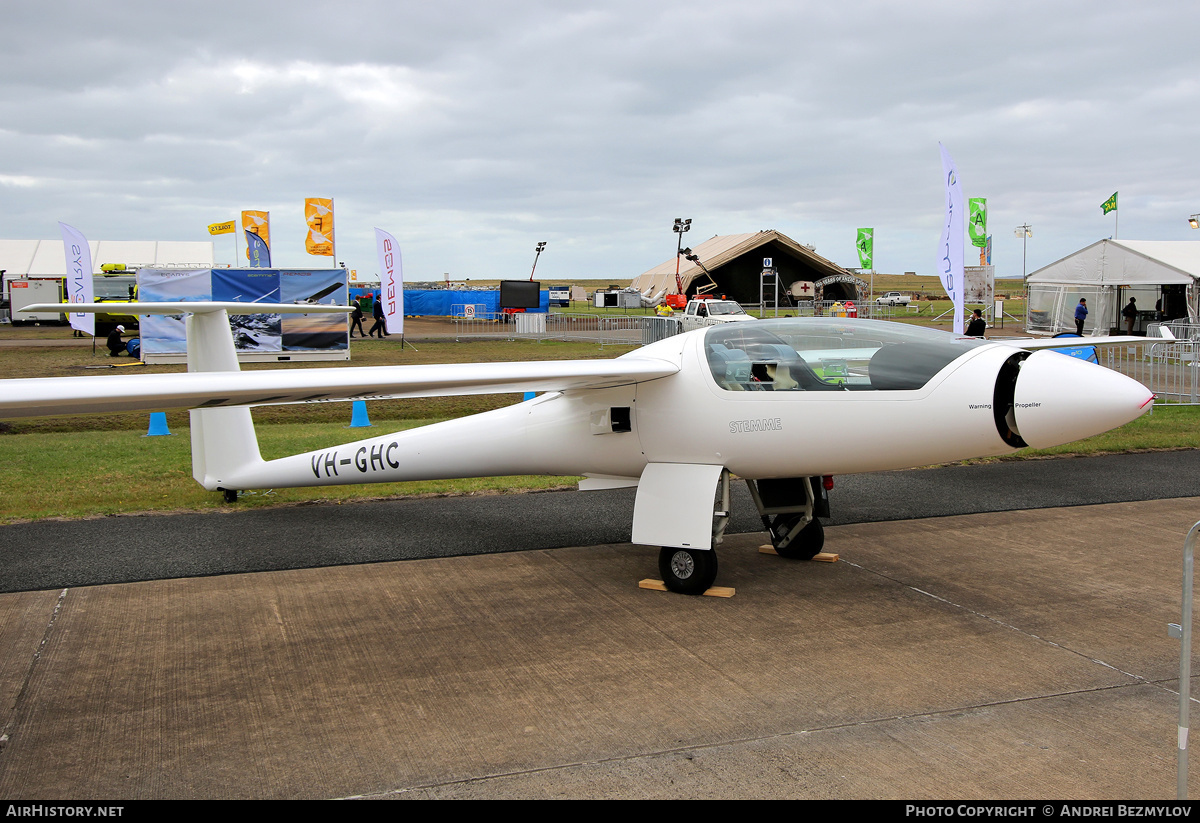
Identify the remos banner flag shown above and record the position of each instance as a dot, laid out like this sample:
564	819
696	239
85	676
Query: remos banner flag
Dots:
950	247
391	281
80	288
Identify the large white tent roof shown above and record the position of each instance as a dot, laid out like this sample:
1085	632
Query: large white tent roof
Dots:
721	249
1126	263
45	258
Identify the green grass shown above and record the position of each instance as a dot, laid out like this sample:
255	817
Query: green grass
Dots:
97	473
101	465
1167	427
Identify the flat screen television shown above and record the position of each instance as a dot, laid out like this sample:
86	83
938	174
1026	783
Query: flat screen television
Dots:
520	294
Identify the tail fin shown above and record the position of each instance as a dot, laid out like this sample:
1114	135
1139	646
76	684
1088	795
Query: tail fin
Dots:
223	440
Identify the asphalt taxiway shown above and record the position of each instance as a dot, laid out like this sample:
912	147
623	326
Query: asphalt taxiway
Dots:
980	654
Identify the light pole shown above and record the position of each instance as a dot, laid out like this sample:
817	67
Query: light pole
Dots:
1024	232
540	246
679	228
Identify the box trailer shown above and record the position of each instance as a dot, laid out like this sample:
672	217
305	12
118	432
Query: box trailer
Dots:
26	291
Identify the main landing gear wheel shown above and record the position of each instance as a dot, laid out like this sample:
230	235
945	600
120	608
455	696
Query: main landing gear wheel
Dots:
688	571
804	546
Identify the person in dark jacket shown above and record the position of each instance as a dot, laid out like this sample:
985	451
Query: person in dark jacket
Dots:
356	318
1130	313
977	326
115	344
377	313
1080	315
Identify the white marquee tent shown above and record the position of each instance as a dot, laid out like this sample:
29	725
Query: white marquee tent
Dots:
1110	272
45	258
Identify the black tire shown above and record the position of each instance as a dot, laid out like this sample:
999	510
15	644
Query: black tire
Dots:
687	571
804	546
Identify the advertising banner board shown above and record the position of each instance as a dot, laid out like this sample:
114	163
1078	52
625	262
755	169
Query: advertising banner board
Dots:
267	336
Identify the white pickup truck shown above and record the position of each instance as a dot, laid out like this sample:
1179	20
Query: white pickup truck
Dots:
701	313
894	298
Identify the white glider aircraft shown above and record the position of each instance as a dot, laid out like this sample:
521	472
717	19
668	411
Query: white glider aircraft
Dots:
785	404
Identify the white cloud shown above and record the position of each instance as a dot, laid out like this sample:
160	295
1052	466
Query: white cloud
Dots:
472	130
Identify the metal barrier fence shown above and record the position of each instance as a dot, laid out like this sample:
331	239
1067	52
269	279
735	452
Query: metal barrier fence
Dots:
1169	368
1181	329
824	308
607	331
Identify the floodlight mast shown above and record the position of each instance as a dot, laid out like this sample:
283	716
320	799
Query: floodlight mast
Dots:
540	247
1024	232
681	225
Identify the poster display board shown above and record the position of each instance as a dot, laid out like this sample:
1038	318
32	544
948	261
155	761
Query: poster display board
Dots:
257	337
979	284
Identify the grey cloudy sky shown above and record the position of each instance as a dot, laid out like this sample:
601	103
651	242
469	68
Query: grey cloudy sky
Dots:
471	130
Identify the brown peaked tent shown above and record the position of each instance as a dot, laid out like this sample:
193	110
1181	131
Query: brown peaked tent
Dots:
736	261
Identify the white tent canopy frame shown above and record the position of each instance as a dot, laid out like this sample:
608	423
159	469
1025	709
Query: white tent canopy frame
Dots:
45	258
1107	273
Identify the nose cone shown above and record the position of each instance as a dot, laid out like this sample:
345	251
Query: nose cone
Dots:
1059	399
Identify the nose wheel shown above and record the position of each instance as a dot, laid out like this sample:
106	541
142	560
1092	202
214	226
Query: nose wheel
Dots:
804	545
687	571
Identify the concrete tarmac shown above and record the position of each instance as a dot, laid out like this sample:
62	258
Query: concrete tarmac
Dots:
994	655
57	554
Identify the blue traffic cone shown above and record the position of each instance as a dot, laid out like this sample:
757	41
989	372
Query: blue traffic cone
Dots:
358	417
529	395
158	425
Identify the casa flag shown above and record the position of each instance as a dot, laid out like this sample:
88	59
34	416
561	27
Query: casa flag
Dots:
258	222
258	251
977	227
228	227
866	248
80	288
318	213
391	281
950	246
1110	204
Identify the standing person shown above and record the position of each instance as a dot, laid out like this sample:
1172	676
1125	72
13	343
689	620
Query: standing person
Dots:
977	326
1130	313
1080	316
115	344
356	318
377	313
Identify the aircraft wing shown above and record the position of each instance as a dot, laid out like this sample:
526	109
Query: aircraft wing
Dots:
183	307
1032	344
39	397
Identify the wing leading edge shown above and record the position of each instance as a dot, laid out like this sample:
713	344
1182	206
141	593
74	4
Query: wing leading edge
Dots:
214	381
40	397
